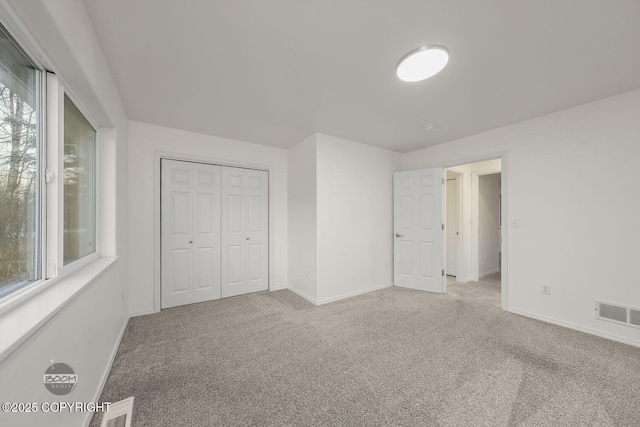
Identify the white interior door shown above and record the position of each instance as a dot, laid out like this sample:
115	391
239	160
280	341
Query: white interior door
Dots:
452	225
419	230
190	232
245	219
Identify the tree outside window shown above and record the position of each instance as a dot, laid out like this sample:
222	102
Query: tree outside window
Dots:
19	178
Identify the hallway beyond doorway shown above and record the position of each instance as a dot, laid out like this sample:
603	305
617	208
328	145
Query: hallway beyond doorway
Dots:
475	206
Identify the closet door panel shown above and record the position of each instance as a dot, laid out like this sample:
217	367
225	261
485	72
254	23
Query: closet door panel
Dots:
245	219
190	232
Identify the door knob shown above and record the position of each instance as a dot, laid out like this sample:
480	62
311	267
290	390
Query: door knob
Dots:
247	238
190	241
399	235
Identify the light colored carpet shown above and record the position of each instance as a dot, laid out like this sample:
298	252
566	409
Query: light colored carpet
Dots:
391	357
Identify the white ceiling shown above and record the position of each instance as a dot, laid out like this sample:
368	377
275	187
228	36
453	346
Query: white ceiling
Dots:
273	72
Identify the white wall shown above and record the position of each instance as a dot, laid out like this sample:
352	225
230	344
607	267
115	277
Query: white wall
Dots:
578	226
146	143
84	335
86	332
488	224
303	218
355	217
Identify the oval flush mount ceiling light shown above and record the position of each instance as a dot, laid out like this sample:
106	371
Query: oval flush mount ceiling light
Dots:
422	63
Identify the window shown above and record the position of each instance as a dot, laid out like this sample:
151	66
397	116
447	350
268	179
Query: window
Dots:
19	165
79	184
70	191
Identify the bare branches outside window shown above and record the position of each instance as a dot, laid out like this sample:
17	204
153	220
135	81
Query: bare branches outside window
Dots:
19	177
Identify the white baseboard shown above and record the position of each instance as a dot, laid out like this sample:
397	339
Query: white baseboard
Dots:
142	313
613	337
279	288
107	371
339	297
490	272
353	294
303	295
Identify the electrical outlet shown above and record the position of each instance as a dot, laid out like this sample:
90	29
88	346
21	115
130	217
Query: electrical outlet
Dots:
546	289
515	223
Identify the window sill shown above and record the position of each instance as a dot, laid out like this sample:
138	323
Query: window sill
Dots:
23	319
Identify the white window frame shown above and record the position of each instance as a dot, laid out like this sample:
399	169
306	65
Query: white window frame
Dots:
55	266
51	203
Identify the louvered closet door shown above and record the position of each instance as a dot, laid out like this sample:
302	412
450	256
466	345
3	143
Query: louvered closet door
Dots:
190	232
245	218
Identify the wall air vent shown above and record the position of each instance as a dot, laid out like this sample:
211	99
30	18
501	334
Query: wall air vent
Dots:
618	314
634	317
613	312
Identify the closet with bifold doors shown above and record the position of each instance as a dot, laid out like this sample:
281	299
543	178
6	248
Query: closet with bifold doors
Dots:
214	232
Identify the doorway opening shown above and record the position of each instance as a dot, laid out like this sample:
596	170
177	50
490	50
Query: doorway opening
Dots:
473	231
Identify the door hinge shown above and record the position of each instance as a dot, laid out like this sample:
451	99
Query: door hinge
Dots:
443	226
443	272
442	180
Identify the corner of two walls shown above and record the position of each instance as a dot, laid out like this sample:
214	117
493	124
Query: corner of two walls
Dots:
302	218
350	219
